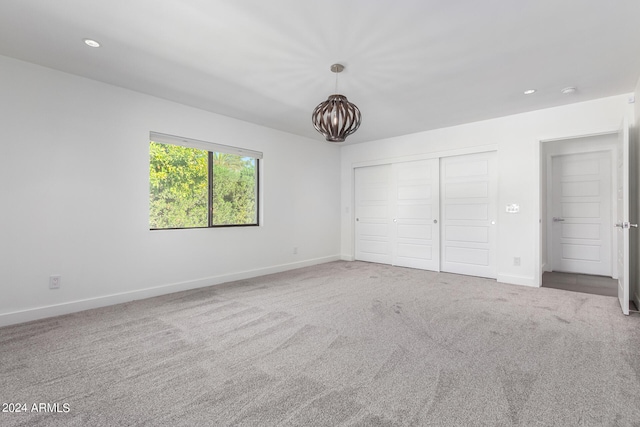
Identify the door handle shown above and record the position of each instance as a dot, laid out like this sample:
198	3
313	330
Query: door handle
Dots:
556	219
625	225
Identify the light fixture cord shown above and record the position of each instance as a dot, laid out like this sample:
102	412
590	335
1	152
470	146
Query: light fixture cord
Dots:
336	92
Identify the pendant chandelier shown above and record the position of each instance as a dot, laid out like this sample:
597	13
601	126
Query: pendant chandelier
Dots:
336	118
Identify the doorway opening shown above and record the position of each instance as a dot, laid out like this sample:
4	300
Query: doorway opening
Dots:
578	209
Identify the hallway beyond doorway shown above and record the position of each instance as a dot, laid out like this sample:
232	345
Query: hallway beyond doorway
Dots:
597	285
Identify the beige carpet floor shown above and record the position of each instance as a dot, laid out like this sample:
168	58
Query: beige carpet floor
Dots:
339	344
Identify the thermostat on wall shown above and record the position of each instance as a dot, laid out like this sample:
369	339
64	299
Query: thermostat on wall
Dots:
513	208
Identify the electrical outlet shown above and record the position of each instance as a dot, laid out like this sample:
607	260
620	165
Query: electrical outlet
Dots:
516	261
295	250
54	282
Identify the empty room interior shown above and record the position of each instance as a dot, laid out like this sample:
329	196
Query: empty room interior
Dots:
338	213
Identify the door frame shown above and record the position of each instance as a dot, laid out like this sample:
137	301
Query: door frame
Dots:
540	159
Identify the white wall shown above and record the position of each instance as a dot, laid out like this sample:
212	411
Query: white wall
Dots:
74	190
517	139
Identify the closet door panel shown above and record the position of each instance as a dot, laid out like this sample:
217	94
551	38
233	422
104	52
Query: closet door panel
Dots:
469	188
415	205
373	214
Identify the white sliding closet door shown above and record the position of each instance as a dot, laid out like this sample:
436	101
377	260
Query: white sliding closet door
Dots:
396	213
415	193
469	209
372	212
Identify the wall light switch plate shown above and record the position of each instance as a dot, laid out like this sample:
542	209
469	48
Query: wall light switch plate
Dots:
513	208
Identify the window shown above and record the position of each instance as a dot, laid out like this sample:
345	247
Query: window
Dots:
196	184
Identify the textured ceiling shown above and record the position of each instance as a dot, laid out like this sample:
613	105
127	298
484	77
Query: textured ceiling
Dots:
412	65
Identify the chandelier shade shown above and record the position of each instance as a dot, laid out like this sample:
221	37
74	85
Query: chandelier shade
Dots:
336	118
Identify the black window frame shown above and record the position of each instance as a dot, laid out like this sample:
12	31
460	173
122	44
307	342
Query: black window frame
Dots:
210	193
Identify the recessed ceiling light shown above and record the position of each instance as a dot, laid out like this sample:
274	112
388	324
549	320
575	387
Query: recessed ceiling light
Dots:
568	90
529	91
91	43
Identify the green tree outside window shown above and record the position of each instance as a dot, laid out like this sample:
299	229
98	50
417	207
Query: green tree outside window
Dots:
183	196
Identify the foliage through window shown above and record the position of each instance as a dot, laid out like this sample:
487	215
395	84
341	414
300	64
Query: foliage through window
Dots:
195	187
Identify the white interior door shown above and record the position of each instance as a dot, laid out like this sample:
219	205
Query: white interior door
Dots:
581	233
415	228
622	220
469	187
372	213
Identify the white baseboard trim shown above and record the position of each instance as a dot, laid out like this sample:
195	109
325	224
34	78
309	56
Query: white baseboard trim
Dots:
344	257
37	313
518	280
